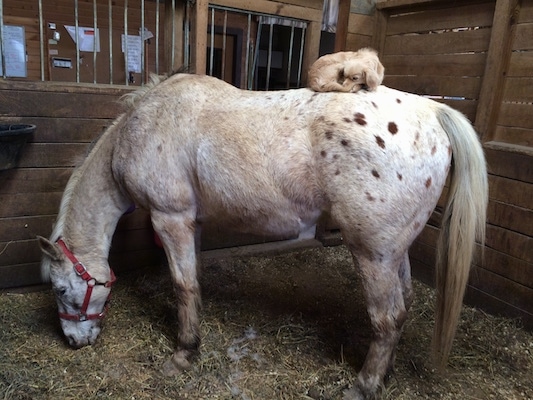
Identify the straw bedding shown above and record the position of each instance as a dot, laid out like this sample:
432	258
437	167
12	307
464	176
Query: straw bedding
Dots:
290	326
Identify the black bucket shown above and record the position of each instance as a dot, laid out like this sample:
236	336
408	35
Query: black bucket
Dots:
12	139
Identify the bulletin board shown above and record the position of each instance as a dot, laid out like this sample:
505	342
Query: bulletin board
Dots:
14	47
62	54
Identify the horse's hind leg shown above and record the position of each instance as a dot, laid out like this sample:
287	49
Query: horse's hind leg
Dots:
404	274
405	279
177	232
384	293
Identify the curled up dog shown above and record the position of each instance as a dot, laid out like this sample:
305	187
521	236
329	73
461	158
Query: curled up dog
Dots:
346	71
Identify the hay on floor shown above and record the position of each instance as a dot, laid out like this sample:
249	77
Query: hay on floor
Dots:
291	326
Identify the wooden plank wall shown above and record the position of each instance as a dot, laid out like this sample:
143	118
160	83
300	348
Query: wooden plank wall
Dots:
515	117
434	48
360	31
68	119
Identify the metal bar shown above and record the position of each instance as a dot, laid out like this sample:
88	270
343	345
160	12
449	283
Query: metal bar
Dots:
41	38
126	42
143	66
77	40
269	56
224	32
289	62
187	36
157	37
173	39
300	61
2	50
95	27
110	8
249	23
256	54
212	41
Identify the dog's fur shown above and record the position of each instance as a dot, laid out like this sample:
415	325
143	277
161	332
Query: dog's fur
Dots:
346	71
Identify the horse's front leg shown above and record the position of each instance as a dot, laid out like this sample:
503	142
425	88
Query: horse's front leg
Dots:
177	233
386	307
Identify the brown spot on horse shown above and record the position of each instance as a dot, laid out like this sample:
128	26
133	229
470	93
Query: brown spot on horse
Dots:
428	182
360	119
393	128
380	142
375	173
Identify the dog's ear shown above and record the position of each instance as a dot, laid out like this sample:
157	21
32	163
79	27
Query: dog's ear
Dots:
380	72
374	78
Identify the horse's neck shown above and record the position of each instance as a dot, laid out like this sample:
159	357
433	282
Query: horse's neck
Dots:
94	206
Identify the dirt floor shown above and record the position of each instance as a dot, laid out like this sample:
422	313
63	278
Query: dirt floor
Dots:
291	326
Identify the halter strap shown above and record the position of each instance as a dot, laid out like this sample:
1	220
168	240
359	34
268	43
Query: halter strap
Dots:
91	283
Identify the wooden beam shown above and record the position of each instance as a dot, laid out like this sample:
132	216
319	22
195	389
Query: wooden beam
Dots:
312	47
273	8
390	4
199	36
342	25
498	56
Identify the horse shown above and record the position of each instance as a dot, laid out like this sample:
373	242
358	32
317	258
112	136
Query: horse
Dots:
193	148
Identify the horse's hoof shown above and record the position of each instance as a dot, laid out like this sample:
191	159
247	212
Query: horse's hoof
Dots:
177	363
353	394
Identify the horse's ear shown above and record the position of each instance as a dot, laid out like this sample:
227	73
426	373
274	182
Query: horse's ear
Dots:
48	248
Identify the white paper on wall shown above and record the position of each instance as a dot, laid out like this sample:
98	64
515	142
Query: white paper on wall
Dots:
134	45
14	48
86	37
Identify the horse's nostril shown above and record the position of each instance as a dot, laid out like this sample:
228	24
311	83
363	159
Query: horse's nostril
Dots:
77	344
71	341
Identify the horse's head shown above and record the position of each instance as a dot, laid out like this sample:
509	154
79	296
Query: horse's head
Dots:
81	297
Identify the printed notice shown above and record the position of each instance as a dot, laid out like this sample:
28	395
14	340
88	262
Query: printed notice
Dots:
14	48
87	37
134	47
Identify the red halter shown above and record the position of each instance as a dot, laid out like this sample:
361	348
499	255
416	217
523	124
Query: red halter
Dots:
91	283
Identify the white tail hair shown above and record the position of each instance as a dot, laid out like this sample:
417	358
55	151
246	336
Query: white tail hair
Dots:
463	222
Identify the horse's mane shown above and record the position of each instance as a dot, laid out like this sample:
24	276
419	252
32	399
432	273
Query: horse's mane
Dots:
130	100
72	183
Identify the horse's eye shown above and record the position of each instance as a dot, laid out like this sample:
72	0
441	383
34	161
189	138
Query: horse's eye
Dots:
60	291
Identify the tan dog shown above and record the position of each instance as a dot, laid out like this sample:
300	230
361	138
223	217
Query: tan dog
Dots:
346	71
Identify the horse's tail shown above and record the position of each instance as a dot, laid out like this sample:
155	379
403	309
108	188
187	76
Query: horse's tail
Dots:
463	222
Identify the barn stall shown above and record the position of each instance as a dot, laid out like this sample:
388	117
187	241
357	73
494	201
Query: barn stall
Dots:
473	55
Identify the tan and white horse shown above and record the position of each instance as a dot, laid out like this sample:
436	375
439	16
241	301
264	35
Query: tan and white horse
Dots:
193	148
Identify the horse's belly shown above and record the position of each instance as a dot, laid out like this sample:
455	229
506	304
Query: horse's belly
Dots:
263	183
261	216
